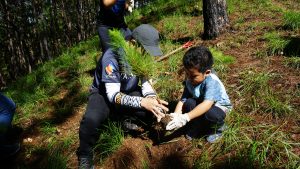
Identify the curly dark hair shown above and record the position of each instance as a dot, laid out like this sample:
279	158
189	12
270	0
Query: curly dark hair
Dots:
198	57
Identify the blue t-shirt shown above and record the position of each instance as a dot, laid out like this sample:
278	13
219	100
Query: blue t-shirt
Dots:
108	70
210	89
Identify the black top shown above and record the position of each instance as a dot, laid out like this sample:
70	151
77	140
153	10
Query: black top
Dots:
112	17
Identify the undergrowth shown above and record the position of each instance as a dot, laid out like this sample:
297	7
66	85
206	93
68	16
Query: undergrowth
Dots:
259	96
111	138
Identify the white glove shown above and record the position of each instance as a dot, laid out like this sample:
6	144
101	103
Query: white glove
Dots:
178	120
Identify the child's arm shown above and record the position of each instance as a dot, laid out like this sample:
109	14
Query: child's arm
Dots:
184	96
178	108
200	109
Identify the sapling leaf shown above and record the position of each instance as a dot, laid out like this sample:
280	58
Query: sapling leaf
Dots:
131	59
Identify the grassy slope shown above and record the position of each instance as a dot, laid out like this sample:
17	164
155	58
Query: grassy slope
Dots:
262	82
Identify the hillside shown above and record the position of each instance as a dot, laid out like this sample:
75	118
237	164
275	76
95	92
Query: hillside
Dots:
257	58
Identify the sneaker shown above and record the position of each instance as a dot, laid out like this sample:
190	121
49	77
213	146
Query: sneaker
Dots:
85	163
222	128
8	150
214	137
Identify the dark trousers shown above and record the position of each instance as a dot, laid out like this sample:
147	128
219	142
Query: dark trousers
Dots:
97	111
105	38
208	122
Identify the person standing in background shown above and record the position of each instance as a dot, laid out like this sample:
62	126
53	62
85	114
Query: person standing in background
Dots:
111	16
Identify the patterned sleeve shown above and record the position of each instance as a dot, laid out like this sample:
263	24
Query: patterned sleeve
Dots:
115	96
126	100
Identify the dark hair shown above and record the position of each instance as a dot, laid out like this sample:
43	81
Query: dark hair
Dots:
198	57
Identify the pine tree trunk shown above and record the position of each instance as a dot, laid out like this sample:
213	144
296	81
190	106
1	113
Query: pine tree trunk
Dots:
215	18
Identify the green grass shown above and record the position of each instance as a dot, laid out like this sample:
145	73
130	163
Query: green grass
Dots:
56	160
111	137
221	61
293	62
276	43
179	26
48	128
65	73
259	96
204	162
251	145
292	20
160	9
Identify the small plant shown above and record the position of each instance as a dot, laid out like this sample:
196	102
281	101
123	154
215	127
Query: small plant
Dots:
260	54
132	61
292	20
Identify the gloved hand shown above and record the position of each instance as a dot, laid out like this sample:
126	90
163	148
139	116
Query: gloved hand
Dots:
178	120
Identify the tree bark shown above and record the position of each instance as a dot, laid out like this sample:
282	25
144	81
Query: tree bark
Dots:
215	18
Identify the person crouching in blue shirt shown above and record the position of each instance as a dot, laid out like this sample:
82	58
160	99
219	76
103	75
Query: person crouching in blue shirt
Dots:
204	102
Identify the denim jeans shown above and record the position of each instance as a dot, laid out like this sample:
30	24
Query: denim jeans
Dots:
7	109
